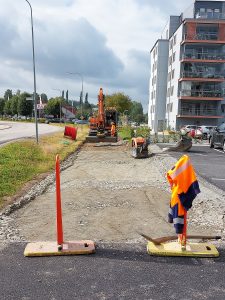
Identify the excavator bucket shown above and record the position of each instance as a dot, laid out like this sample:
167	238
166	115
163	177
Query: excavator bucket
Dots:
184	144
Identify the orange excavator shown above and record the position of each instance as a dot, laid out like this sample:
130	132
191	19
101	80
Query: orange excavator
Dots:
103	126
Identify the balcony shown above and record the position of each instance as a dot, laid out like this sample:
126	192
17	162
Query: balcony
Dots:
202	95
210	15
202	76
196	112
208	37
195	56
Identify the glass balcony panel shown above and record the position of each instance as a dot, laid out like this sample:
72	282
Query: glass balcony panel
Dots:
202	93
210	15
203	55
191	74
196	111
202	36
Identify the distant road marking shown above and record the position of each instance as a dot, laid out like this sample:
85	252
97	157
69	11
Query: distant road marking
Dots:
221	179
221	151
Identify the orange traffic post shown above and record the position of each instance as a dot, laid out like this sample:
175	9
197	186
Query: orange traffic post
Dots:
58	205
59	247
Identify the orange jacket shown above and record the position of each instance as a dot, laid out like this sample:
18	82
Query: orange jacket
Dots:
113	130
184	186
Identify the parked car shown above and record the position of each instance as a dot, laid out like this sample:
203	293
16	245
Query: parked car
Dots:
192	130
205	130
217	137
81	122
188	128
54	120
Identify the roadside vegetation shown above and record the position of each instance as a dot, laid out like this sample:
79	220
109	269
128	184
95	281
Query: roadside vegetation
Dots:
23	161
127	132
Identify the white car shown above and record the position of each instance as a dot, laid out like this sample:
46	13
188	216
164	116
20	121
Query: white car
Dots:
205	129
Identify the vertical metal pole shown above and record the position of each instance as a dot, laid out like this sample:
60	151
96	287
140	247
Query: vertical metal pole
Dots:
82	97
34	94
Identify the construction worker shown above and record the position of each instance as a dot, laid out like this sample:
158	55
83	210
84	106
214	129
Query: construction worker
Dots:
113	129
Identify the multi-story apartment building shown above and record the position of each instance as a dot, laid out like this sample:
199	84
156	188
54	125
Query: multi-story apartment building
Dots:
187	81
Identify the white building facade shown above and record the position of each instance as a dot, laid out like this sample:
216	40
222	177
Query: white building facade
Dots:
189	87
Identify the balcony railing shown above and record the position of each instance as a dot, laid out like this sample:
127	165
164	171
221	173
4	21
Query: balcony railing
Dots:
210	15
202	93
202	55
195	111
202	36
189	74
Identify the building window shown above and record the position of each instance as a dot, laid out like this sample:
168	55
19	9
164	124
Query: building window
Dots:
171	107
174	56
223	108
172	73
175	39
168	92
171	90
168	77
171	44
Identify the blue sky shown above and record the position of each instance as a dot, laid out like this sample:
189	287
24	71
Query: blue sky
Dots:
108	41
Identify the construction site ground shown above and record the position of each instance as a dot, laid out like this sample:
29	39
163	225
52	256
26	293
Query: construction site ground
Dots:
108	197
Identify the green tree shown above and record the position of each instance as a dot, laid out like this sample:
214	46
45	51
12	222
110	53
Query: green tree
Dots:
8	94
2	104
136	112
14	104
18	92
53	106
87	105
118	100
7	107
25	107
44	98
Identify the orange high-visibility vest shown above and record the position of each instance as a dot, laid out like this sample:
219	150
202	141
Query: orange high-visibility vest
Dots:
184	186
113	130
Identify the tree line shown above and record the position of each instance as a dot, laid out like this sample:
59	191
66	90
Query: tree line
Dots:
19	104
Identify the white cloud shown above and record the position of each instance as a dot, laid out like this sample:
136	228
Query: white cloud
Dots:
108	41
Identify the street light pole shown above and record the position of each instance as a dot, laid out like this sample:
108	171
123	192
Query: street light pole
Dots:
82	87
34	94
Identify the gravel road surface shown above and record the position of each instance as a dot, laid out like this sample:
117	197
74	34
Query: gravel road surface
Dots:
108	196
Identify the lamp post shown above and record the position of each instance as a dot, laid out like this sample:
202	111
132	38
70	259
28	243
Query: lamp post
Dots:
60	107
34	94
82	89
125	120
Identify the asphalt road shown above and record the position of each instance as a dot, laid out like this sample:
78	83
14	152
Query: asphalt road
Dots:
118	271
114	272
208	163
17	130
